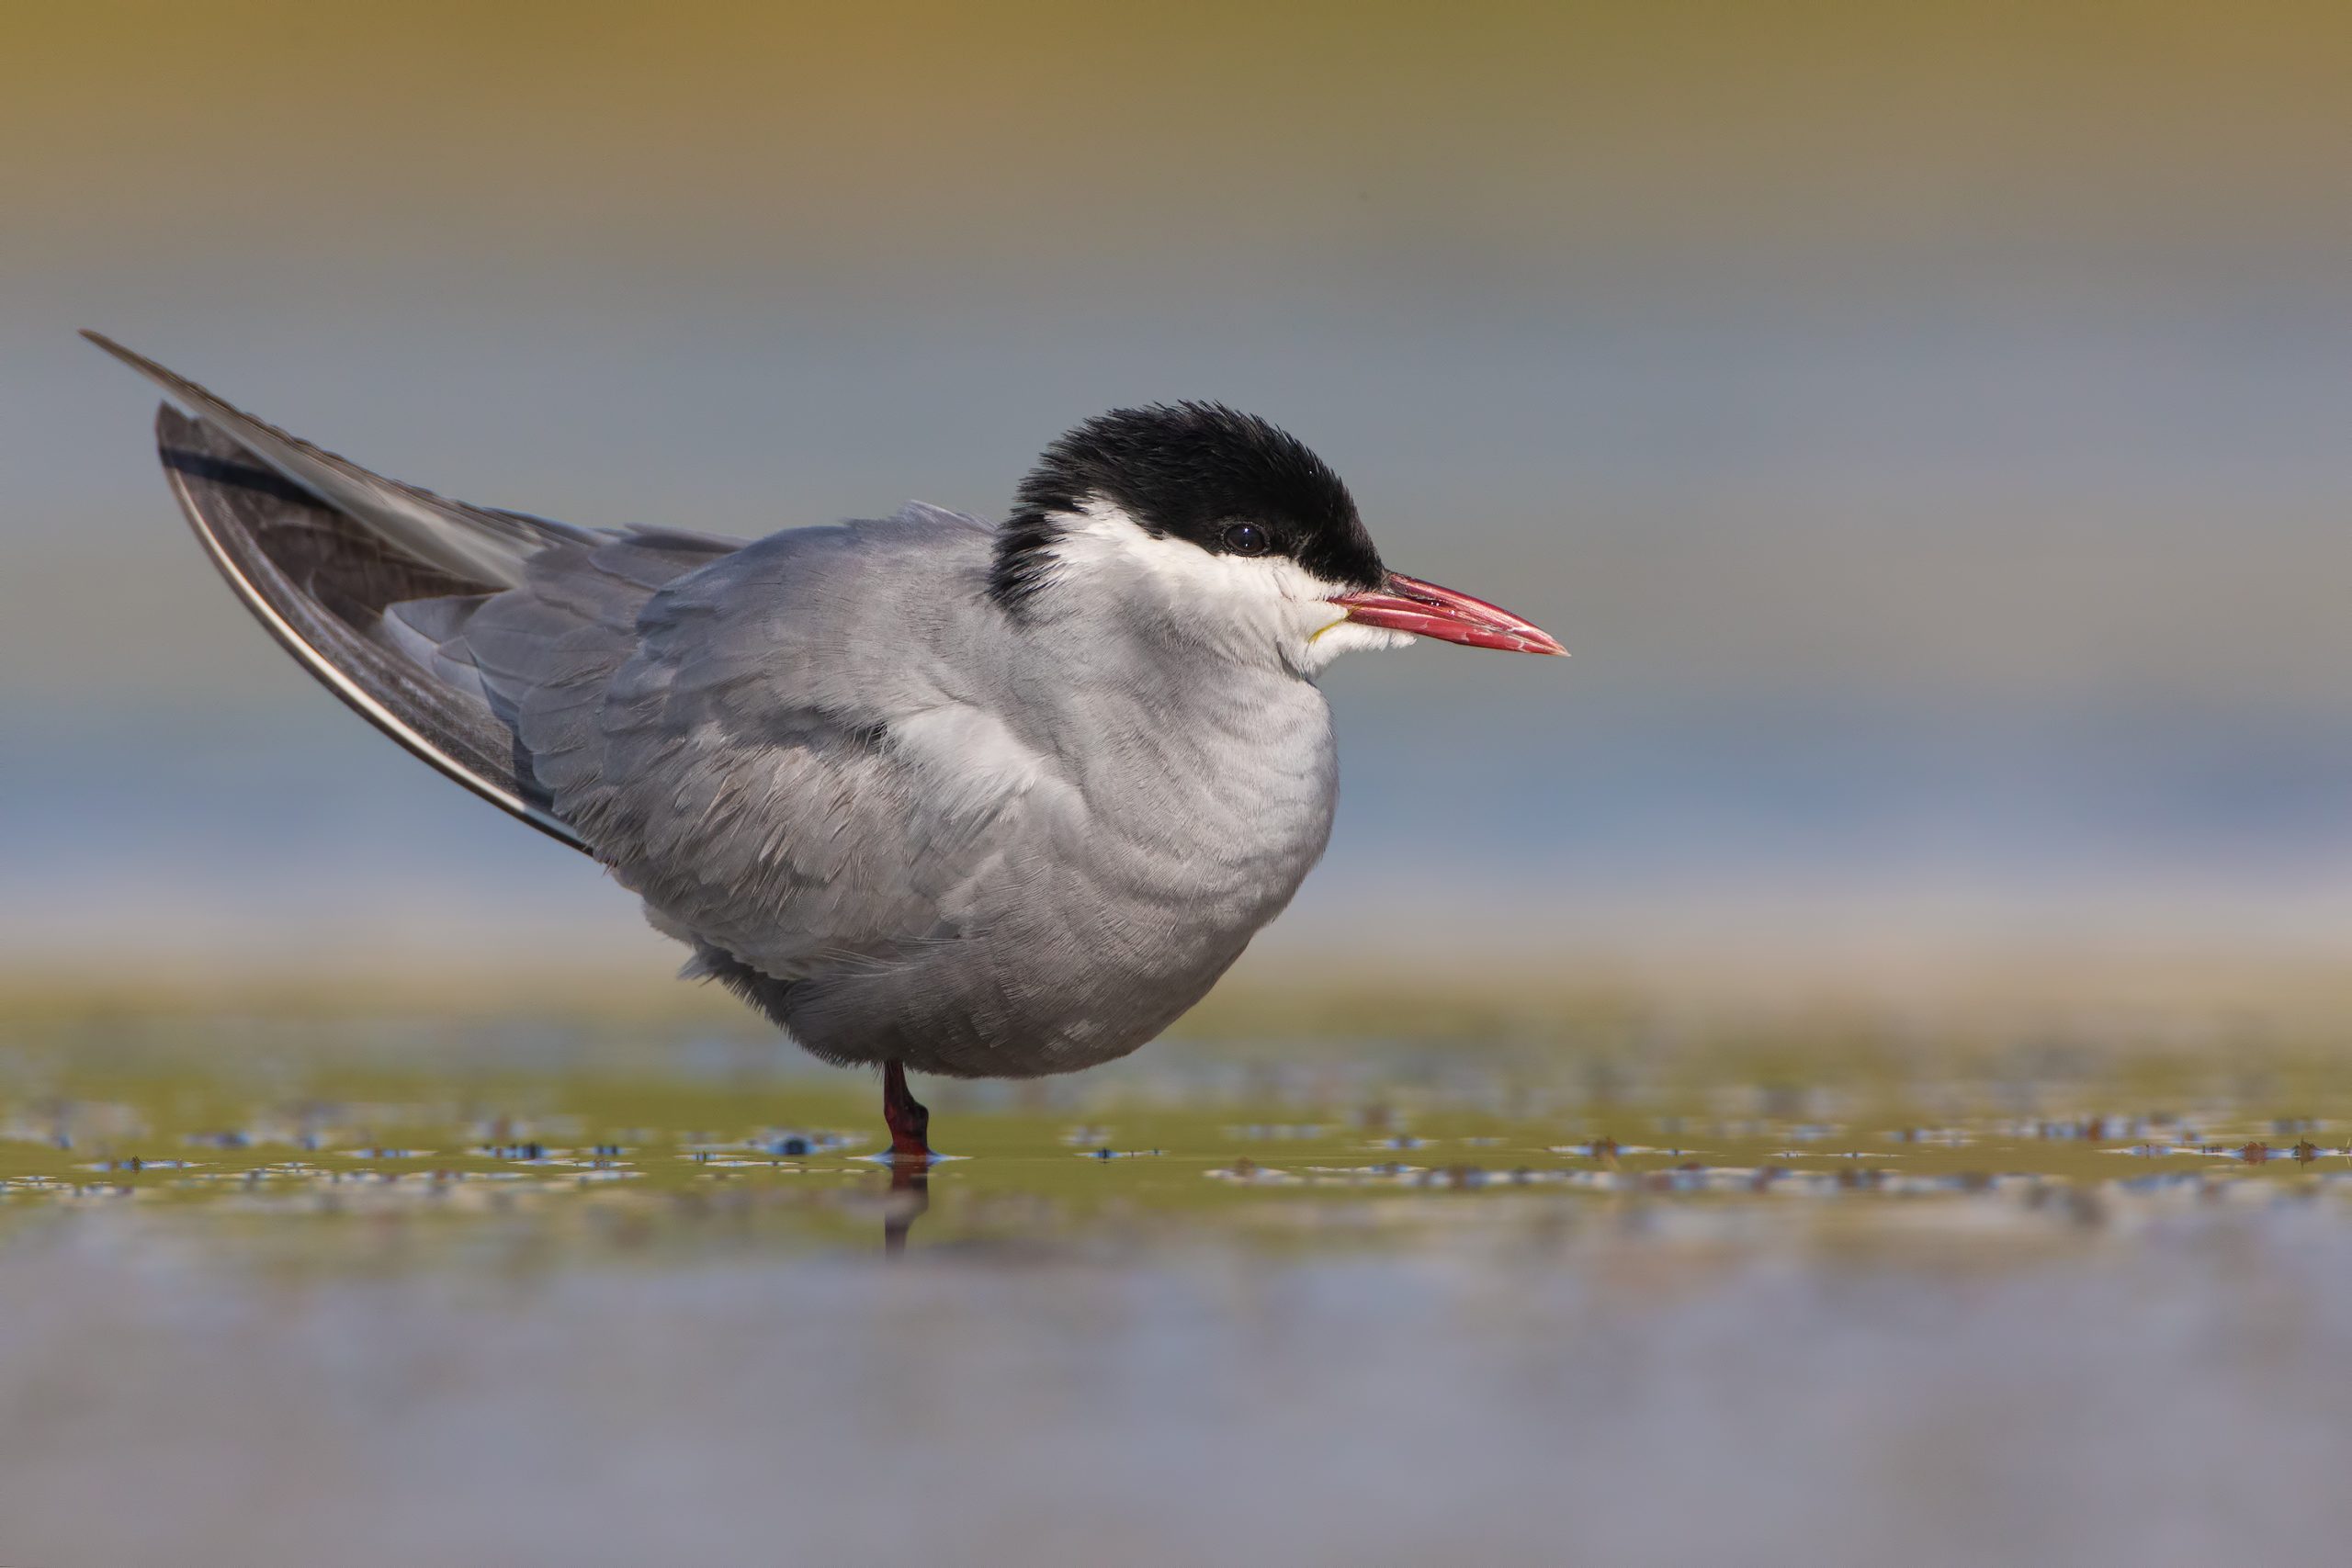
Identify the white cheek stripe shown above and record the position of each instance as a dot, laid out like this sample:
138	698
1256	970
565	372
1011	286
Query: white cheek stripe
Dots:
1100	533
1264	600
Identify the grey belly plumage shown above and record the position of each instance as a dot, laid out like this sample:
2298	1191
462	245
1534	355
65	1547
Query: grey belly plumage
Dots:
1084	949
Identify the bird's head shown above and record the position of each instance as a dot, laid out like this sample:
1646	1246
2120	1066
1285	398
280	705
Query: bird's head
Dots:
1224	529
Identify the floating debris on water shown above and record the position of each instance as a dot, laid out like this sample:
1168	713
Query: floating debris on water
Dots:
1449	1147
1248	1172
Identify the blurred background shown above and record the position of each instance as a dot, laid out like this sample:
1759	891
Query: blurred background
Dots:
1929	423
1926	425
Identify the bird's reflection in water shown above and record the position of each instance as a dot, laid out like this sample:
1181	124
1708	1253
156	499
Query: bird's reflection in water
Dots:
909	1199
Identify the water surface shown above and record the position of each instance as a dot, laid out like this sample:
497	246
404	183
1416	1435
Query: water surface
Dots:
291	1291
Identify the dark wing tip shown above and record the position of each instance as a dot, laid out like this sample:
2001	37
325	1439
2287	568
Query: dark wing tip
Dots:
172	381
131	357
189	445
313	577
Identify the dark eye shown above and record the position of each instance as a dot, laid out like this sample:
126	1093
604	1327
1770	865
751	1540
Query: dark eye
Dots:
1247	539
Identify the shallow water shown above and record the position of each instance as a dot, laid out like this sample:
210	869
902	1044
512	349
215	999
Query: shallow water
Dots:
277	1293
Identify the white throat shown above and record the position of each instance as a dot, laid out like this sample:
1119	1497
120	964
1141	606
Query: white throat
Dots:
1259	609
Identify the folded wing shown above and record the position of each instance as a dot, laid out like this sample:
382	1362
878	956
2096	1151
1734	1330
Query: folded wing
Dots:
789	749
370	584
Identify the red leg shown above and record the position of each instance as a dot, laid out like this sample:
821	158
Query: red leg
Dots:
909	1123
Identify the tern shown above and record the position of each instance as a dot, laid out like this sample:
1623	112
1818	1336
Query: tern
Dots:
933	793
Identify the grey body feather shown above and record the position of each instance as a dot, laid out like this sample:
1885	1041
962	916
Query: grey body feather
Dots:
905	824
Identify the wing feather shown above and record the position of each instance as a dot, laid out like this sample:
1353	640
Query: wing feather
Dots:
477	544
779	746
315	580
774	768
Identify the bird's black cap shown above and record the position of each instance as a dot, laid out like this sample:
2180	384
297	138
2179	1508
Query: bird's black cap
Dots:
1191	471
